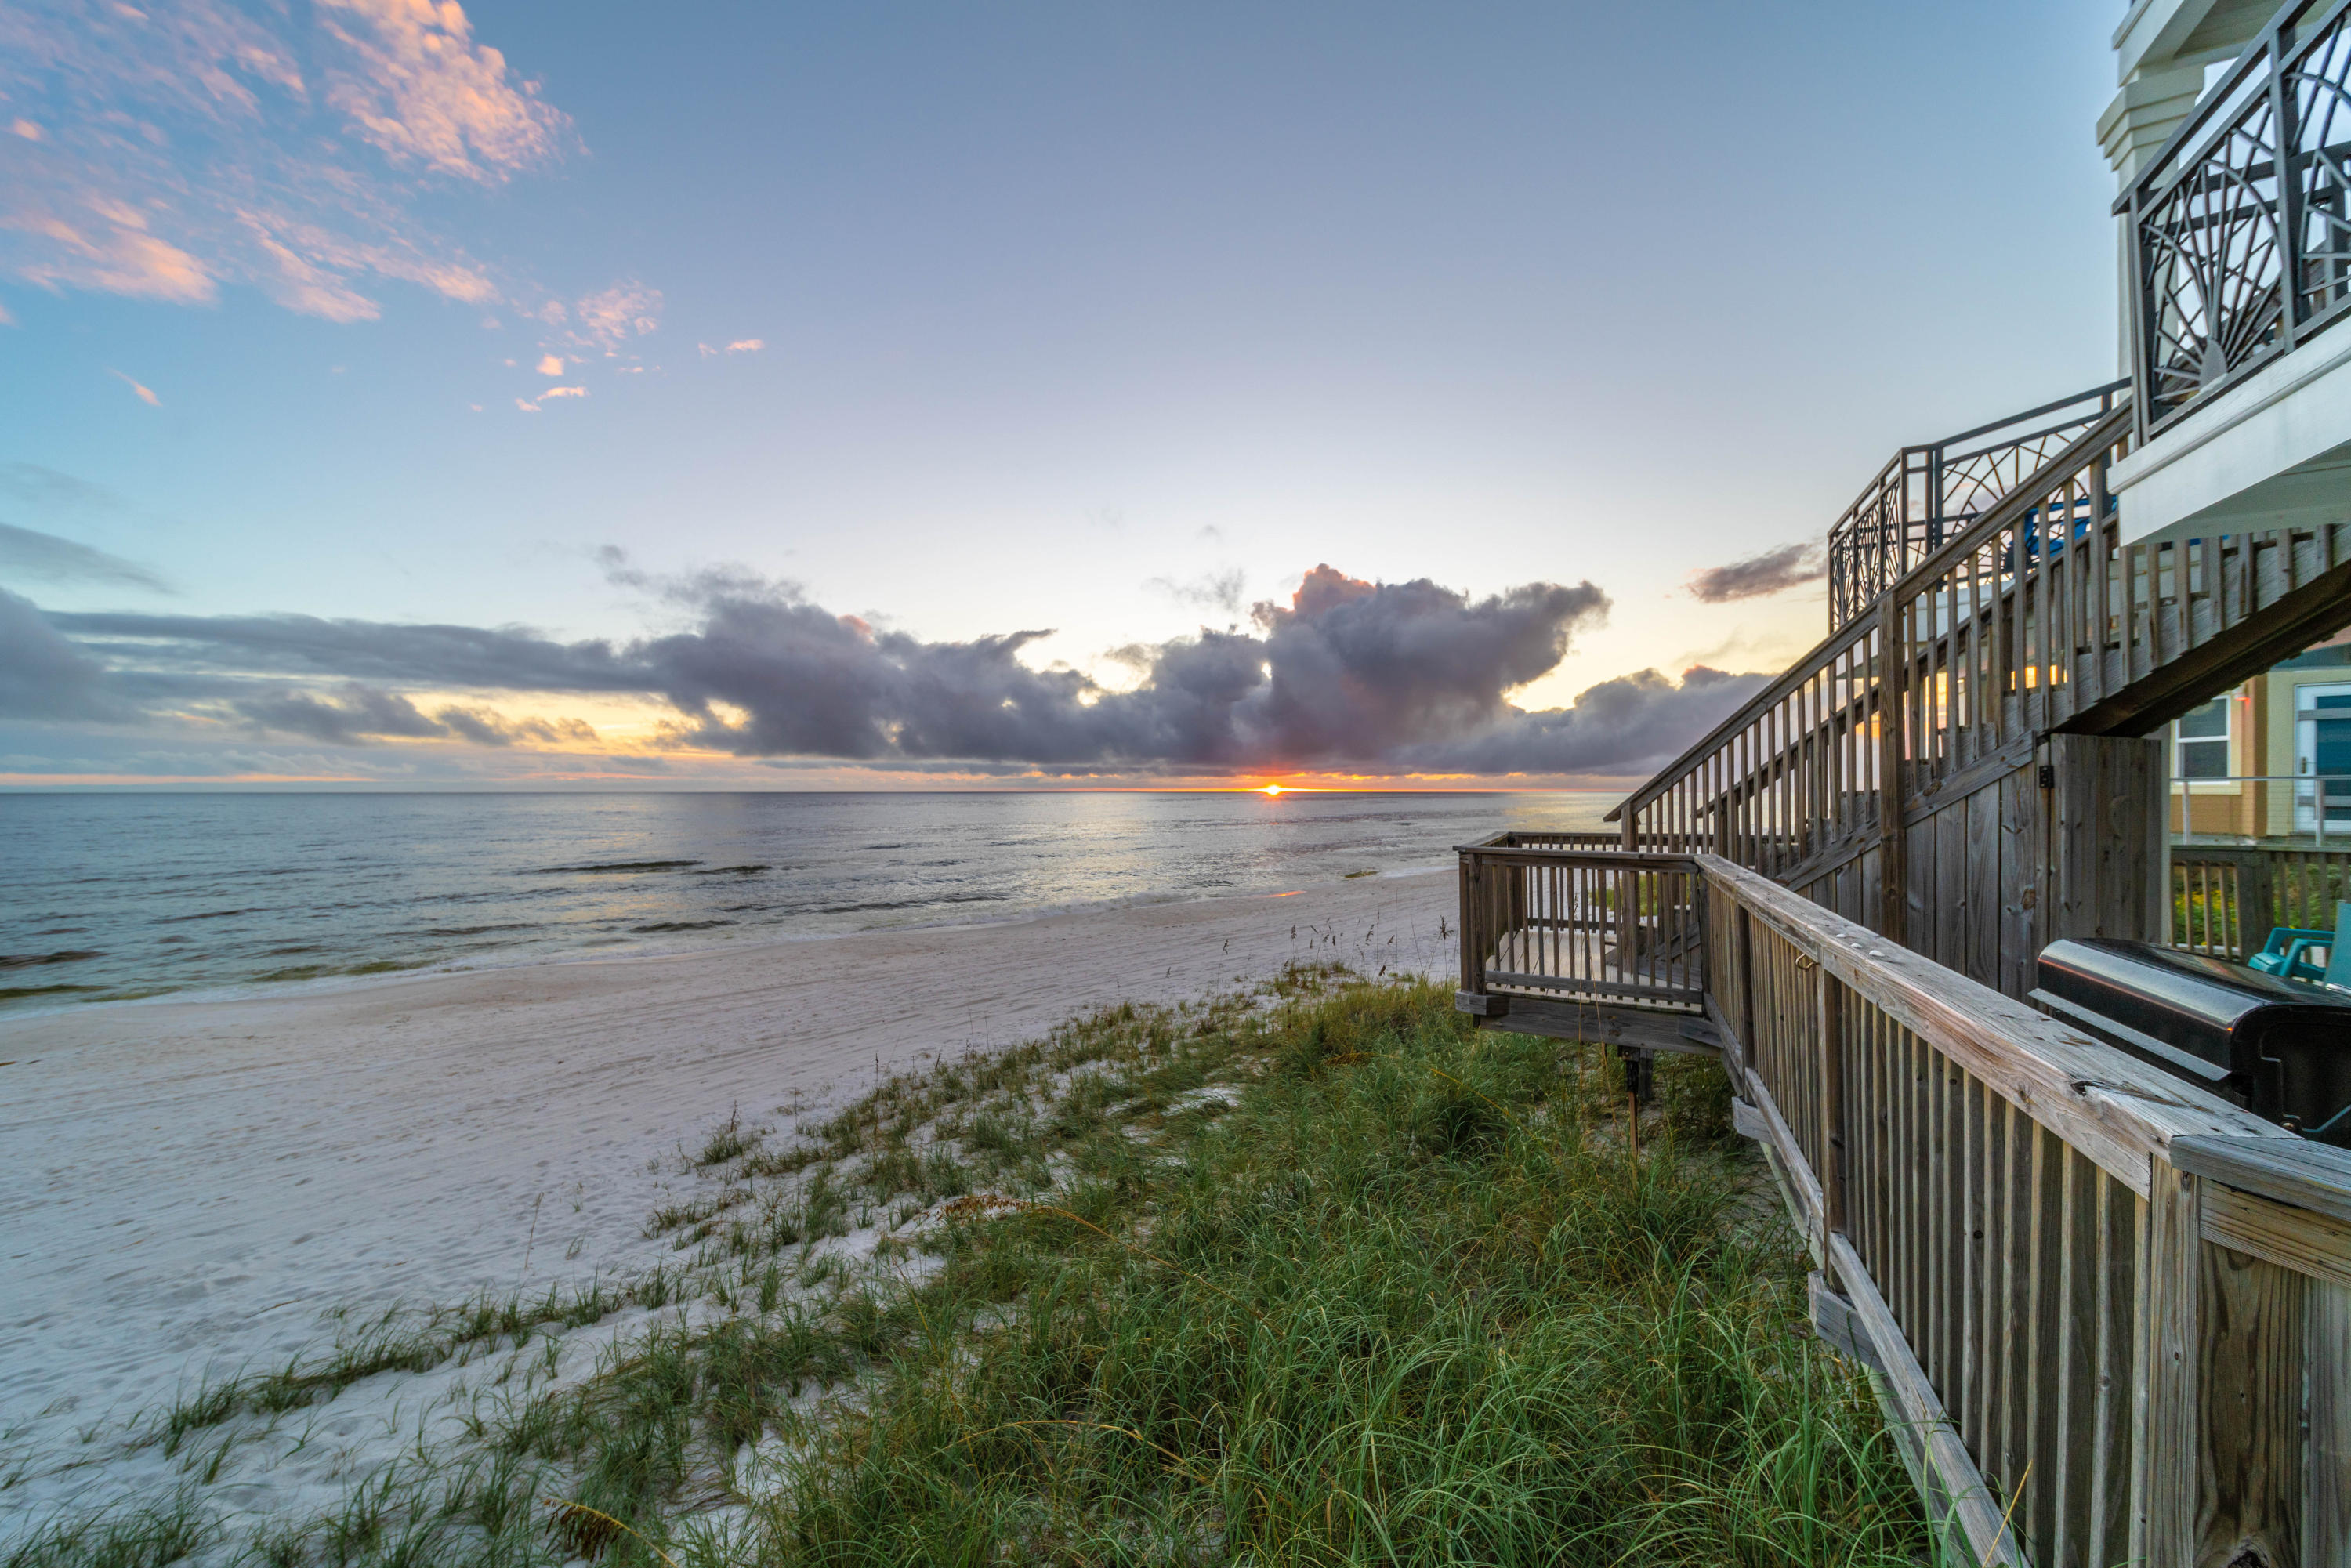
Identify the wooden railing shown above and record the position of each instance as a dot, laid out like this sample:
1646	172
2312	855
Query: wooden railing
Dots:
2227	898
1550	924
2110	1315
2036	617
1926	494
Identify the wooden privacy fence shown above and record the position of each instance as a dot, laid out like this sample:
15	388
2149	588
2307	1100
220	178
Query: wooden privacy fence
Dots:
2109	1314
2227	898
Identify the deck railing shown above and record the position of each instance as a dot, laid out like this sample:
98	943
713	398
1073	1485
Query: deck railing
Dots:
1926	494
2110	1313
2035	618
2226	899
2241	255
1560	924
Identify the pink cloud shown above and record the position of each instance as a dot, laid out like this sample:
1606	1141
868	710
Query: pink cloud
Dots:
551	365
110	250
746	345
415	84
525	404
562	392
146	394
168	150
622	311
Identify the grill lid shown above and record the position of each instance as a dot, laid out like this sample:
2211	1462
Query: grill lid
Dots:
2209	1008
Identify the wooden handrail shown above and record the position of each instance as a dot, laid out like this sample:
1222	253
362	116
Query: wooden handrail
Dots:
2111	1311
2117	1109
1985	529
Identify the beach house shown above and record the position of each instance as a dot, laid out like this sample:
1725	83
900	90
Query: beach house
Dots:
2105	1301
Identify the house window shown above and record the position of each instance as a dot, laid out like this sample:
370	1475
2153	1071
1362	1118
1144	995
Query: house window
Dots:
2200	742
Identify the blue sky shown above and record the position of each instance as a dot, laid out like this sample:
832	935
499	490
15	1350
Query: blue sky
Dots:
965	321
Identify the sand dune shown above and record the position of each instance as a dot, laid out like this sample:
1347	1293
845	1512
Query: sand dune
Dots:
189	1185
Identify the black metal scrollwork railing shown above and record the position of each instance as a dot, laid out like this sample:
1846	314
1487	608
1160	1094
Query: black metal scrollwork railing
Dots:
2240	253
1925	495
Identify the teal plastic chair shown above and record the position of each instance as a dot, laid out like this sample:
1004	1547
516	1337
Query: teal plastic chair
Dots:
2292	955
2338	957
2289	953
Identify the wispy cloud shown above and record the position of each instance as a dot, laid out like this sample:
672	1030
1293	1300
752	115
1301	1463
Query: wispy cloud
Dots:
562	392
551	365
1769	572
30	553
146	394
623	311
1223	591
746	345
169	150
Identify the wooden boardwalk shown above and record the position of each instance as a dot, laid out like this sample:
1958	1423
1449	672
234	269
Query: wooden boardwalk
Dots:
2108	1314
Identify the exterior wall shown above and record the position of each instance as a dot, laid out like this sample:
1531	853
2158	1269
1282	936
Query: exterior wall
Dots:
2262	742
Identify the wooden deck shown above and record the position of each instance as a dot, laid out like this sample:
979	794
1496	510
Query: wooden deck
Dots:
2108	1314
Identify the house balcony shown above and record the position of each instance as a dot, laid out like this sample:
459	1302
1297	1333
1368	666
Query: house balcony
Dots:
2239	244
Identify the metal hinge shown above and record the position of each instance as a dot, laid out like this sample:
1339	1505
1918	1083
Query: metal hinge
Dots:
2048	776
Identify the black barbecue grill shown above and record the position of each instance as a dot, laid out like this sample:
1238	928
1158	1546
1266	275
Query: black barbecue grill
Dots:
2281	1048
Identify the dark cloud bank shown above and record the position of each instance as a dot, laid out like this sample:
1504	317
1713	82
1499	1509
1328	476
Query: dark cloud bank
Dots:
1350	675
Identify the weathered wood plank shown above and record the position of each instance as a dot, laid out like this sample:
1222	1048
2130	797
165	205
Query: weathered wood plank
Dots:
2021	847
1948	895
1981	887
2172	1445
1920	918
2076	1542
2301	1239
2249	1381
2327	1360
2292	1170
1972	1507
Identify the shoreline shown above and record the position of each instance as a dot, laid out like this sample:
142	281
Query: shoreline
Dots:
622	949
196	1181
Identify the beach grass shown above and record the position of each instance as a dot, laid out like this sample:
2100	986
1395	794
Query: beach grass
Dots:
1312	1275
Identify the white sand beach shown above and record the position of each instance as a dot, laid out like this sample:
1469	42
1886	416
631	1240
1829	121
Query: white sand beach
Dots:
189	1186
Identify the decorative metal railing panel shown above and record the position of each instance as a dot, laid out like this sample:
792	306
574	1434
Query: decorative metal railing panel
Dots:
1926	494
2240	253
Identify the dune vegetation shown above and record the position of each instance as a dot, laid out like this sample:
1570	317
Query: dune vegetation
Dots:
1313	1275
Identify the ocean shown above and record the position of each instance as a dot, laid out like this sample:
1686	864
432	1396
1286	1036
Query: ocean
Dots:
114	897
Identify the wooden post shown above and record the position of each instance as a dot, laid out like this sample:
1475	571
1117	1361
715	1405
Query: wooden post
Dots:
2326	1352
1473	968
2250	1463
1829	1008
2167	1483
2256	901
1891	676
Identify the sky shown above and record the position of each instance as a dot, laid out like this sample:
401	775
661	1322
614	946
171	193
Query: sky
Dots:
1002	396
